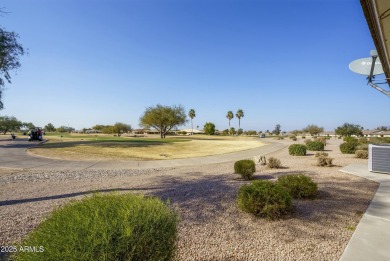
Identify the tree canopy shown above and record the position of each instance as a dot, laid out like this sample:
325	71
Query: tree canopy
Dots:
50	127
239	115
119	128
9	123
277	129
192	115
209	128
313	129
348	129
163	118
10	51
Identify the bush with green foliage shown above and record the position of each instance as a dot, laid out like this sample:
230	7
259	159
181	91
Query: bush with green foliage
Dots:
361	154
362	146
324	161
245	168
350	139
379	140
363	140
274	163
299	186
348	147
265	199
315	145
106	227
303	137
209	128
321	154
297	150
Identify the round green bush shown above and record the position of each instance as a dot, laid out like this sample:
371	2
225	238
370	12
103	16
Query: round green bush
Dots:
297	150
265	199
299	186
350	139
348	147
245	167
106	227
315	145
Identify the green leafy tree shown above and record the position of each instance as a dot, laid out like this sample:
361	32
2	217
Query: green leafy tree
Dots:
296	132
232	131
239	115
10	51
209	128
163	118
383	128
277	129
313	129
50	128
348	129
8	123
65	129
28	125
192	115
119	128
229	116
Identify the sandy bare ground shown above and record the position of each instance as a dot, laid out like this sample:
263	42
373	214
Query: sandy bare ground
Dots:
211	226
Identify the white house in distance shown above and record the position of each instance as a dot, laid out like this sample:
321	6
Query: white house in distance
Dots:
189	131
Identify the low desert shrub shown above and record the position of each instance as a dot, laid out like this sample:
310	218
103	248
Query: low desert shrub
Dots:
321	154
245	168
361	154
265	199
299	186
324	161
348	147
297	150
106	227
363	146
350	139
274	163
315	145
303	137
363	140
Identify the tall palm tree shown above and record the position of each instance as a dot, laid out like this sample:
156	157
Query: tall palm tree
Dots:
230	116
239	115
192	115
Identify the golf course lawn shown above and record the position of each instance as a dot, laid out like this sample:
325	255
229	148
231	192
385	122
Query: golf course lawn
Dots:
126	148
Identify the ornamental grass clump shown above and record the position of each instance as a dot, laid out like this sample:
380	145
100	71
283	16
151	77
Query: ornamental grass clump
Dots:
321	154
299	186
274	163
264	198
106	227
245	168
361	154
324	161
297	150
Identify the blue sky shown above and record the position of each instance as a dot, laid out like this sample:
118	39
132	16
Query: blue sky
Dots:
282	62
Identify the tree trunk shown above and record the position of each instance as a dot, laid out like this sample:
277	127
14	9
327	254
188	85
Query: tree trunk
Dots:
192	126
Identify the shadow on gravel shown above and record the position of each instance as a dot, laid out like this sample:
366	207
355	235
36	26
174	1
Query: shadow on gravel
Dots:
201	199
68	195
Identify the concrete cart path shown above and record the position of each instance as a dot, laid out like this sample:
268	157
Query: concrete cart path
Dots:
371	239
13	155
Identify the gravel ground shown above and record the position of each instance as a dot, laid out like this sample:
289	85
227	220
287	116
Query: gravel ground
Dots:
211	226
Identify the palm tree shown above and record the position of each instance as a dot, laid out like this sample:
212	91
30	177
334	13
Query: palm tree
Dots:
230	116
192	115
239	115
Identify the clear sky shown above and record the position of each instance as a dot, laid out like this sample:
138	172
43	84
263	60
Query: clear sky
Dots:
104	61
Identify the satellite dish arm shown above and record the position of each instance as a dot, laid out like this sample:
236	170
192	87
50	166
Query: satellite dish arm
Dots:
372	68
373	85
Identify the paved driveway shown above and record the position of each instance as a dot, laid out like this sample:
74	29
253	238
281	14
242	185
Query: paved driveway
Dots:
13	155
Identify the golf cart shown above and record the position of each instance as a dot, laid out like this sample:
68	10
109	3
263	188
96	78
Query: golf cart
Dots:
35	134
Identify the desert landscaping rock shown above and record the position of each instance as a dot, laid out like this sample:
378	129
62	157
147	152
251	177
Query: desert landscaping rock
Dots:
211	226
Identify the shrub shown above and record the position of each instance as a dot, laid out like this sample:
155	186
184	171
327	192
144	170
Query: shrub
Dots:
274	163
303	137
363	146
363	140
361	154
315	145
297	150
245	167
308	140
324	161
265	199
348	147
299	186
321	154
109	227
350	139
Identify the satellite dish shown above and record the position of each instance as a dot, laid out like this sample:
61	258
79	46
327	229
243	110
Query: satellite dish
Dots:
363	66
